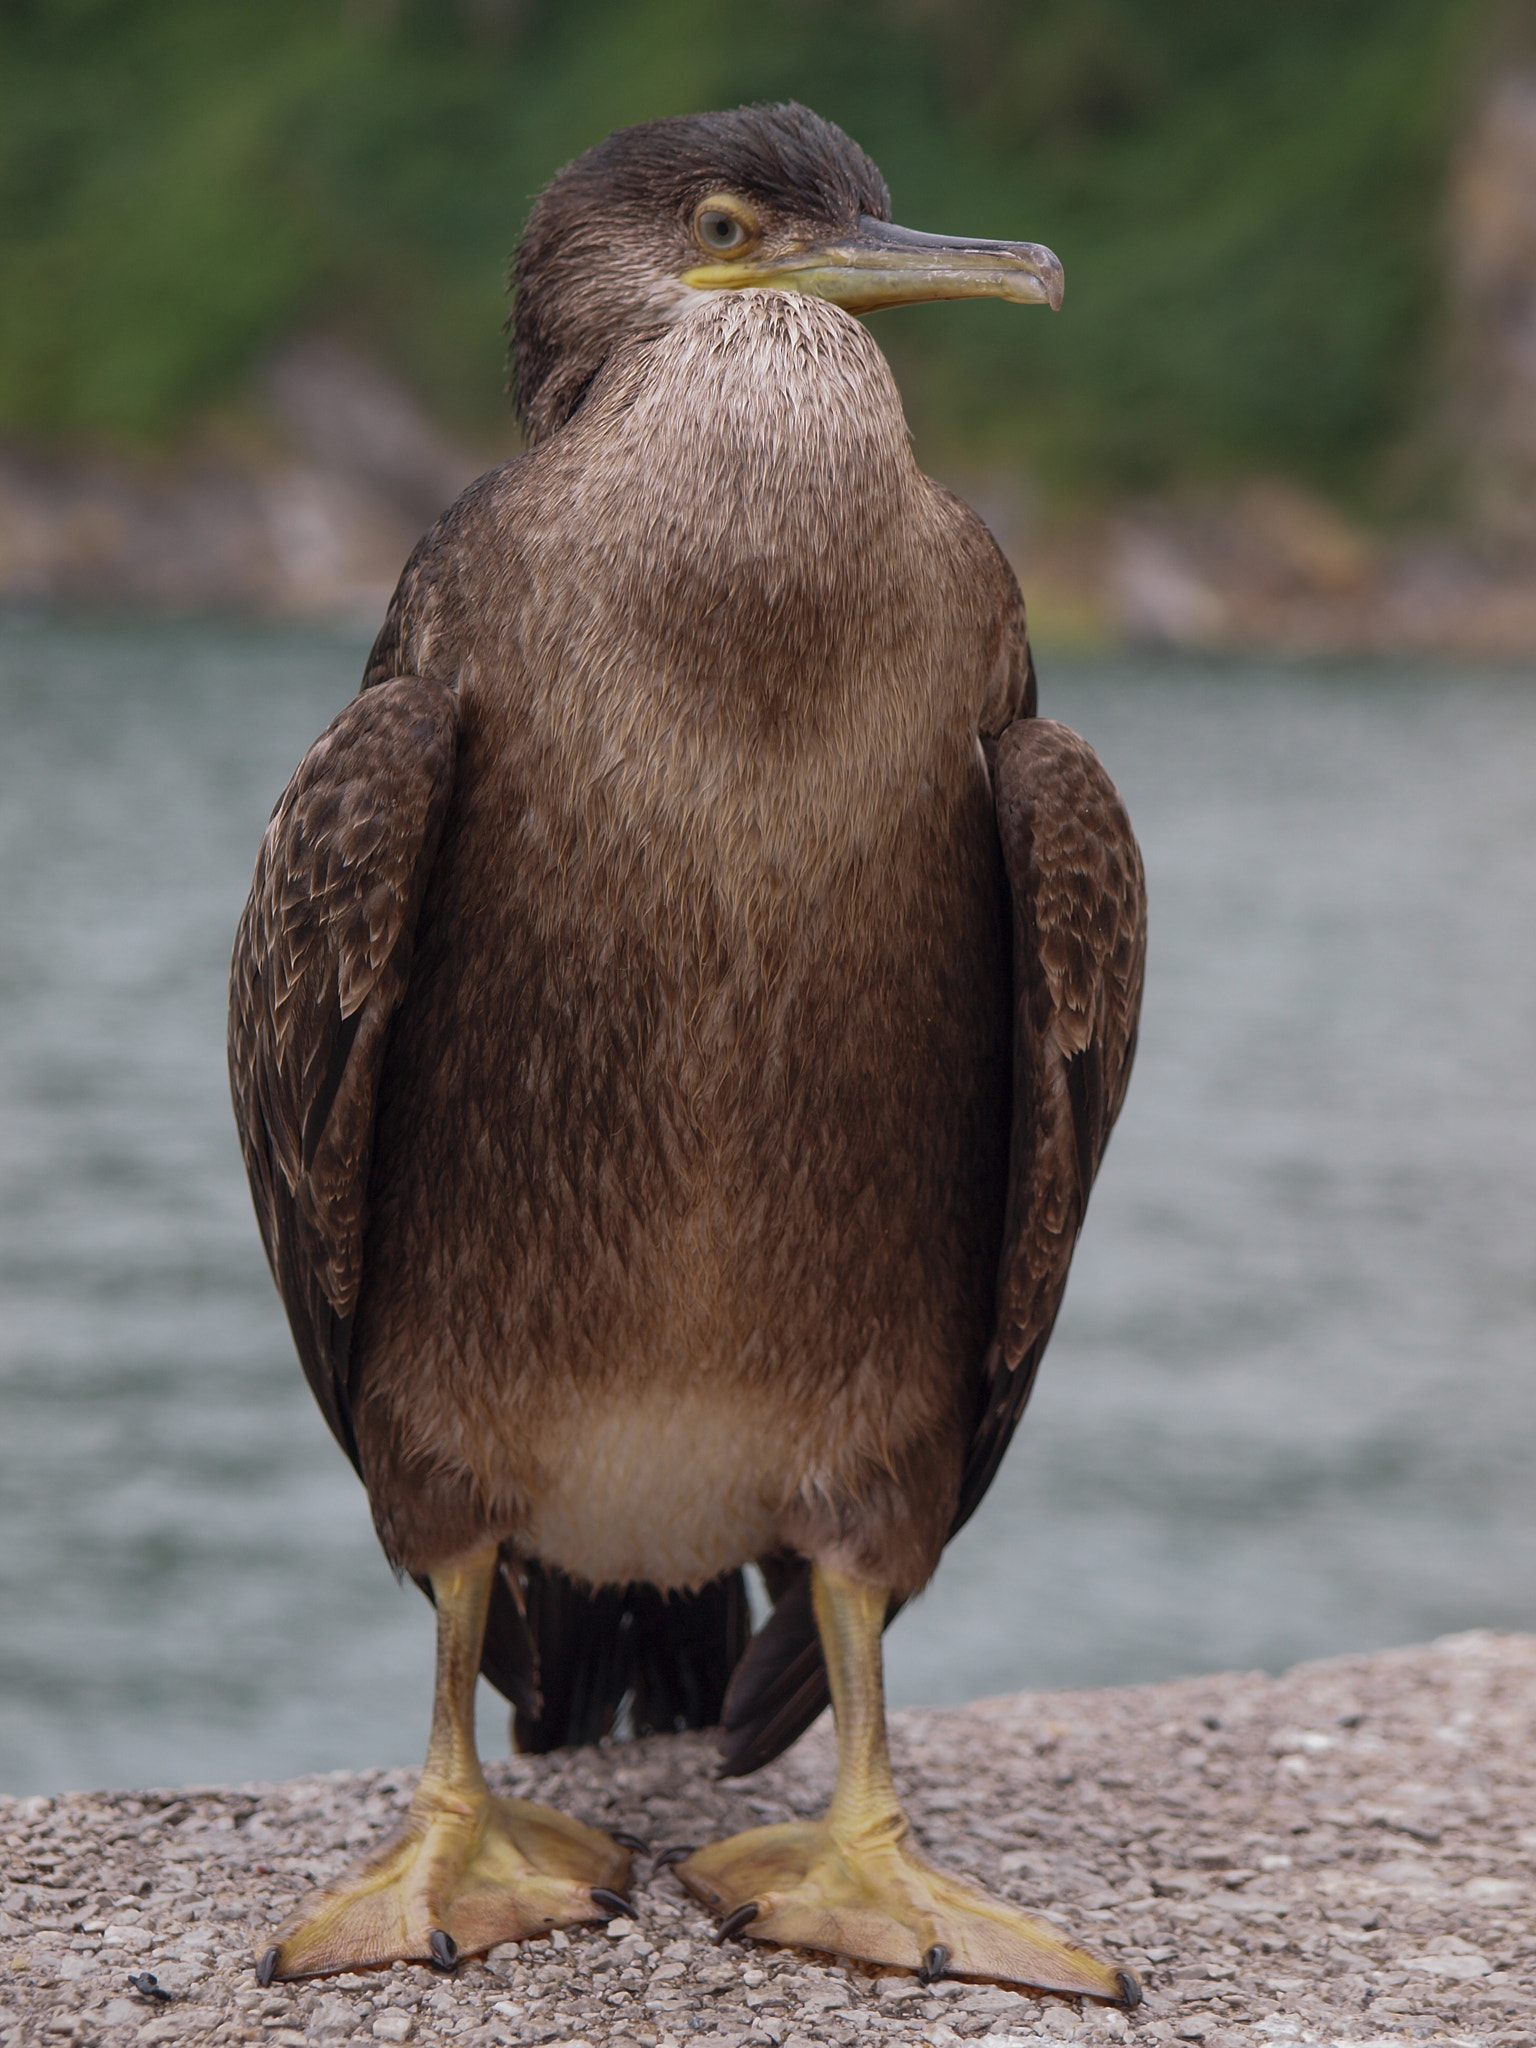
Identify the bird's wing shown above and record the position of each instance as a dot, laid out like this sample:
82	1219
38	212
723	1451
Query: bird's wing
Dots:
320	963
1079	949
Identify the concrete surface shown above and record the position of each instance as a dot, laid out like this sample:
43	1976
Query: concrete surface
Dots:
1344	1854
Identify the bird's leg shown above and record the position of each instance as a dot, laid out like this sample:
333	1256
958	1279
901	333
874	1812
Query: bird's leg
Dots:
854	1883
467	1870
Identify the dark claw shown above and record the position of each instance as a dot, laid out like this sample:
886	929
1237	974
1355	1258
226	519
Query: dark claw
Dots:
678	1853
1130	1989
148	1985
266	1969
935	1963
733	1923
629	1841
611	1902
445	1950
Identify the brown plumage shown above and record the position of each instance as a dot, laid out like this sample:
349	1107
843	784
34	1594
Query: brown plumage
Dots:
684	998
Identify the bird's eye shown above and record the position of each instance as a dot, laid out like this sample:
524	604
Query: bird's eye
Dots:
719	231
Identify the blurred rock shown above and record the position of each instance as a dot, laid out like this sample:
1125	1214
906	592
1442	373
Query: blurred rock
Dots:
311	514
1157	594
1492	254
343	415
1268	565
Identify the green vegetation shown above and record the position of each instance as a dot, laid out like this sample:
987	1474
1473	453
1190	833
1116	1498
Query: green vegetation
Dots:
1246	199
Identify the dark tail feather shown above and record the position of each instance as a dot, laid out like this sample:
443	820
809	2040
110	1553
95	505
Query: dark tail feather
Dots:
780	1684
507	1656
575	1656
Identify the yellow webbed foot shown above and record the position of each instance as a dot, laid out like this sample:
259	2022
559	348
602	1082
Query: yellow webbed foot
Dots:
465	1873
871	1897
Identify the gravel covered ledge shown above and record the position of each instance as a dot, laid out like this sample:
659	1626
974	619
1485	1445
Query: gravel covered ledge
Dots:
1345	1854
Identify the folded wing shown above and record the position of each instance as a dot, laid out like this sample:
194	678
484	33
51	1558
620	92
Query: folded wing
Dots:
321	960
1079	951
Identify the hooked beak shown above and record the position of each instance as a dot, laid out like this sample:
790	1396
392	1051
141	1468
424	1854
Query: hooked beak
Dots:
882	265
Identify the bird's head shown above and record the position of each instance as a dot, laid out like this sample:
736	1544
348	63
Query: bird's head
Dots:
620	244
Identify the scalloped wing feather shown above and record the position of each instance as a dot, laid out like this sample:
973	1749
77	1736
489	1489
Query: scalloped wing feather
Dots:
321	959
1079	951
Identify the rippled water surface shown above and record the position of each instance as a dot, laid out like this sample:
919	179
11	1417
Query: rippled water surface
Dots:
1291	1404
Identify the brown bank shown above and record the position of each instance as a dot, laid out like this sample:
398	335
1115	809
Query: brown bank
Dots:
1345	1854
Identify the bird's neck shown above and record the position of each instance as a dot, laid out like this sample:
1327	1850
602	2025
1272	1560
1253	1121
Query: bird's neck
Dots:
738	500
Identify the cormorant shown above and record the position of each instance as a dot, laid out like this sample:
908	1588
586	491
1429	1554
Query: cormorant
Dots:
678	1016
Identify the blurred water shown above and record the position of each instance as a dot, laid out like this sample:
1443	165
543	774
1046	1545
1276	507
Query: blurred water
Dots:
1290	1407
